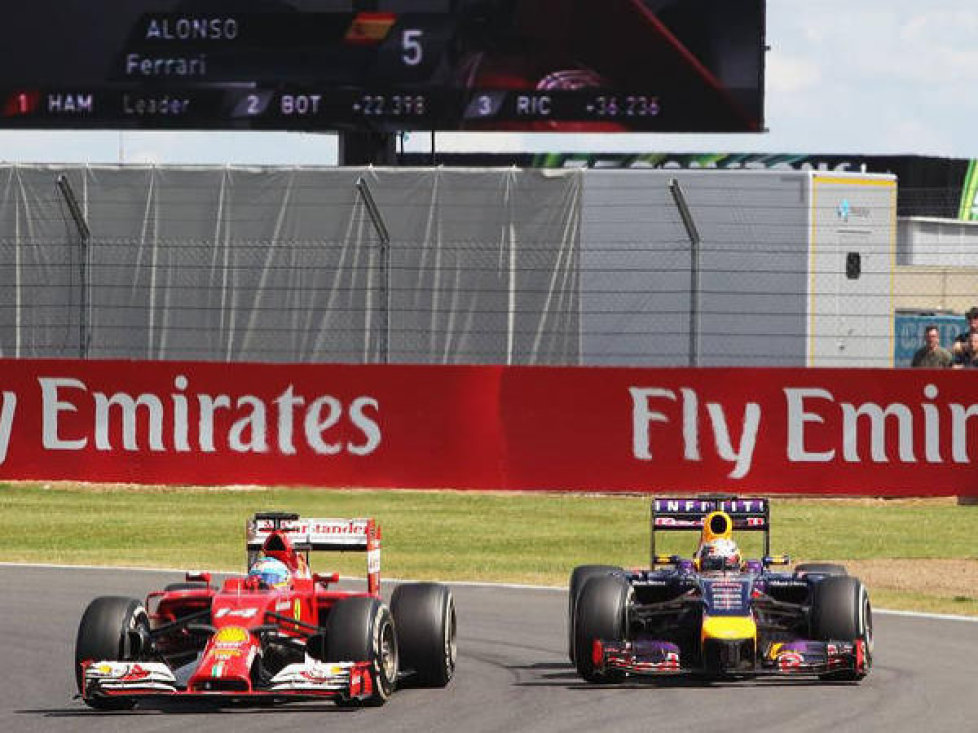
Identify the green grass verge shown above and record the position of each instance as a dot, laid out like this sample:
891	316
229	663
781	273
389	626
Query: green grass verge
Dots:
526	538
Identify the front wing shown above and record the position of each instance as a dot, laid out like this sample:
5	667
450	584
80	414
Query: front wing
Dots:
305	680
800	657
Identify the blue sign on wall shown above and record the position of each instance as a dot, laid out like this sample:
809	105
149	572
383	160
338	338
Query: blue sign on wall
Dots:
909	333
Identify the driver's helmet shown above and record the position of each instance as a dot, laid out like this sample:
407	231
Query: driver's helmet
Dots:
718	554
270	572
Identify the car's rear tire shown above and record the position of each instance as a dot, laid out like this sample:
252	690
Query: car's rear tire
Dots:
104	634
361	629
821	568
580	575
424	615
841	611
600	614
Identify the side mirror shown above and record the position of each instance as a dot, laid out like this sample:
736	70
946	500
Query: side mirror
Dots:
666	559
200	577
326	578
776	560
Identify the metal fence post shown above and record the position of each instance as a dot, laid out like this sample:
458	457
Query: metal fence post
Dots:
378	221
694	270
64	186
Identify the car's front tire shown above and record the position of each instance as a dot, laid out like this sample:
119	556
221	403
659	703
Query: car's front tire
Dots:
362	629
600	614
579	576
109	630
841	611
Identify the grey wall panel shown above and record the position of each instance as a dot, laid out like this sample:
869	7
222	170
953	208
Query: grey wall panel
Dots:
483	264
636	268
40	289
486	266
449	264
544	297
286	264
937	242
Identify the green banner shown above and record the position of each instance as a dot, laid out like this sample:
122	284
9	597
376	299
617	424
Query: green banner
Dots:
969	203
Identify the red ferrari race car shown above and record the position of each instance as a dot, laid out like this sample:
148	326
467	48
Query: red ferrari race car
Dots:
280	633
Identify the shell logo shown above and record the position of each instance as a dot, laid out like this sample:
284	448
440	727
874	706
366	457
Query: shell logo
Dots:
790	660
231	634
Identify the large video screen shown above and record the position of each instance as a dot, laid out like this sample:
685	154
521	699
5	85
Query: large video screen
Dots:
384	65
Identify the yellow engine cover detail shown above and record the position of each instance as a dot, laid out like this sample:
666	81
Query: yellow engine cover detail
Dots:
728	628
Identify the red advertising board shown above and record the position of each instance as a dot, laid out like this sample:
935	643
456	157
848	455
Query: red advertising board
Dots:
836	431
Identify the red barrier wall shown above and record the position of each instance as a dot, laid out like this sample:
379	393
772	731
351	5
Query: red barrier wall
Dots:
879	432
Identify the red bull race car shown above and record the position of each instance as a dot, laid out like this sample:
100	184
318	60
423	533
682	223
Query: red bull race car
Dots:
280	633
718	615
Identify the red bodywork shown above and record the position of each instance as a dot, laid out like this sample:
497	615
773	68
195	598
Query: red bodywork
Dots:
223	625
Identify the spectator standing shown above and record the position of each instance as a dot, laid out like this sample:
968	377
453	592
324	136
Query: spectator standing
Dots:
961	340
968	358
932	355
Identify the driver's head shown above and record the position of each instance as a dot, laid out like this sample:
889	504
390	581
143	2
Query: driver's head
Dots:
270	572
719	554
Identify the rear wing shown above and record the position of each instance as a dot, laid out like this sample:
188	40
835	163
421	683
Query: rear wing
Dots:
323	534
673	514
328	534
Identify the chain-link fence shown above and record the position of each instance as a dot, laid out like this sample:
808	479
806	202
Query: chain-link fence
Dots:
486	266
305	265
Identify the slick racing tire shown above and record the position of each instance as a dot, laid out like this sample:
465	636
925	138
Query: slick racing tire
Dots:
600	614
111	629
820	568
361	629
580	575
841	611
424	616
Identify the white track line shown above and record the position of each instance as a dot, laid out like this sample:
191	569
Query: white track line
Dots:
467	583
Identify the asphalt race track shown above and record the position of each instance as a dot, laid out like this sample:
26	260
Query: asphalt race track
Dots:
512	675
